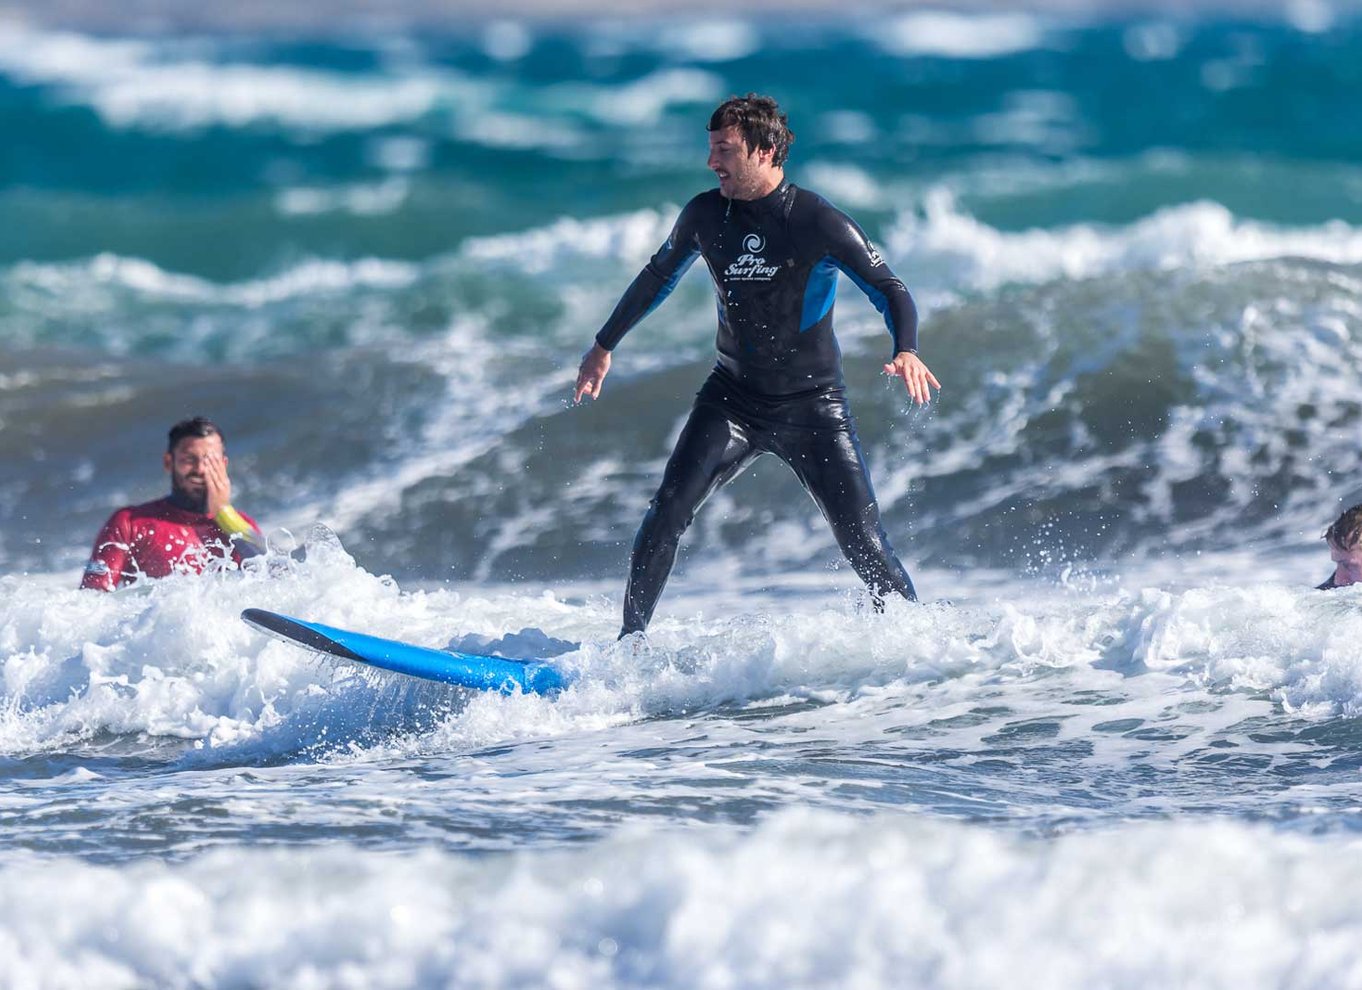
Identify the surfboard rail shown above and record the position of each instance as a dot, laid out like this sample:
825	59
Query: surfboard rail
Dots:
469	670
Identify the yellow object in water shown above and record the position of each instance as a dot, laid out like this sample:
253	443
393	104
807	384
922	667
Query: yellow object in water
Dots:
235	525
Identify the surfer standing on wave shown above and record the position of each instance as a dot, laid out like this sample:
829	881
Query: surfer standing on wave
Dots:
1345	549
774	251
193	525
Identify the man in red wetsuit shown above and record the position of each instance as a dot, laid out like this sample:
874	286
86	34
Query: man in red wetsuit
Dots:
185	531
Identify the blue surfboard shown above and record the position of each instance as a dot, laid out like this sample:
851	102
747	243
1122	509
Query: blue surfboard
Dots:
468	670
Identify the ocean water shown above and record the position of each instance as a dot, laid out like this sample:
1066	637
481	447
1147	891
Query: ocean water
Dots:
1118	745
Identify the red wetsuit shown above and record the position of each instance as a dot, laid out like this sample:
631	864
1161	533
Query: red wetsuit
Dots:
156	539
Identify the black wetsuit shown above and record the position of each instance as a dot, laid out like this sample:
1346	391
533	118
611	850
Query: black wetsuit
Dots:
777	386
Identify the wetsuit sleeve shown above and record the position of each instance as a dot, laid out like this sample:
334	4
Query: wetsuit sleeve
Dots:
657	280
111	554
853	253
242	533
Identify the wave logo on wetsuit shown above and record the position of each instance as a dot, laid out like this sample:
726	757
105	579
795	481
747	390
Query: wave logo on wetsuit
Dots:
751	266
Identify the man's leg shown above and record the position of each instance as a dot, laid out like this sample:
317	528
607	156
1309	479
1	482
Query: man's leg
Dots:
711	451
829	463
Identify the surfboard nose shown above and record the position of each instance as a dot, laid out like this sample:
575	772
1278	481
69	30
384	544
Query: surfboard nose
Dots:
298	633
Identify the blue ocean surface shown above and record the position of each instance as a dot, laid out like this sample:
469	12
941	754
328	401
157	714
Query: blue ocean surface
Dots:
1117	746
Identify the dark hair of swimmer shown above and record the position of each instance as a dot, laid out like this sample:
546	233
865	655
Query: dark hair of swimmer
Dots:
760	121
1346	532
199	426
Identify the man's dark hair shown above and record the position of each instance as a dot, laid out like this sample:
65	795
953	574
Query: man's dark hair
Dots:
199	426
761	122
1346	532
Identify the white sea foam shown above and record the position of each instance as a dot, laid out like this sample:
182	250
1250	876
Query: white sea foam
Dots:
43	57
1314	16
174	661
135	84
697	38
520	131
710	40
314	277
946	244
124	305
630	238
105	282
810	900
138	85
359	199
954	35
85	286
943	250
1305	652
943	247
399	154
847	185
191	95
848	126
940	249
507	41
1154	41
642	102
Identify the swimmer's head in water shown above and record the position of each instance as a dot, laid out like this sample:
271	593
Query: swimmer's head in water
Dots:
1345	547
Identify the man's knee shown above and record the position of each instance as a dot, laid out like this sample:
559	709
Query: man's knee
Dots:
861	534
667	517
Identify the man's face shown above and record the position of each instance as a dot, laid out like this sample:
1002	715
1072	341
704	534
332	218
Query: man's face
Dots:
743	174
1347	565
186	464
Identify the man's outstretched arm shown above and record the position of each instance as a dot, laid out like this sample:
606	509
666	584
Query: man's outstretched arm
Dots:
652	285
859	260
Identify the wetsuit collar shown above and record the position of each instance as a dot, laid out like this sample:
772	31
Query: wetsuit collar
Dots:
776	201
771	199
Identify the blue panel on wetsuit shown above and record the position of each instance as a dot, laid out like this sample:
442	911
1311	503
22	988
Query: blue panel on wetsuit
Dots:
670	283
819	293
877	298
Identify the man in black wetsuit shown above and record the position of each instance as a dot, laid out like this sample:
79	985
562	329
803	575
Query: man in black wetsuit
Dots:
774	252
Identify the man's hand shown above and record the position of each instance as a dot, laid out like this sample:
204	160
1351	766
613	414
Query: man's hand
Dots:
591	375
917	377
218	485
